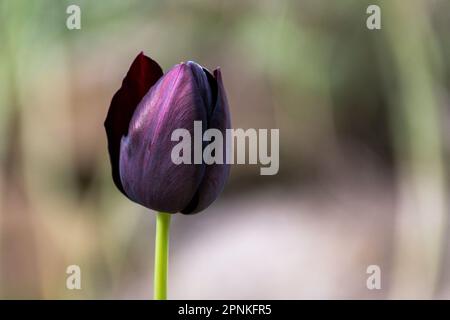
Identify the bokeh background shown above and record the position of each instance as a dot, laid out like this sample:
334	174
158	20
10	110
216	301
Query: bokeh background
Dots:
364	150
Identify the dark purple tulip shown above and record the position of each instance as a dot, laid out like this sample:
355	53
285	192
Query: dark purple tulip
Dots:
143	114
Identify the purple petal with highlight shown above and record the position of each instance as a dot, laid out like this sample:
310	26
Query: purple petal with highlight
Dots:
147	172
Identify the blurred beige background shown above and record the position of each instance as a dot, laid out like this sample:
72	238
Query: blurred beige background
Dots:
364	126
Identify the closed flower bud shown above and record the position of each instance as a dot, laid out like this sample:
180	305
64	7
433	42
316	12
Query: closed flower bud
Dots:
143	114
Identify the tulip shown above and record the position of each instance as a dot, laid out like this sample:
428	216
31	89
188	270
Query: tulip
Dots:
143	114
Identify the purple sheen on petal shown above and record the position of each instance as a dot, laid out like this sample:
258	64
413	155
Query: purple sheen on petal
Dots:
143	73
216	175
148	175
203	84
214	90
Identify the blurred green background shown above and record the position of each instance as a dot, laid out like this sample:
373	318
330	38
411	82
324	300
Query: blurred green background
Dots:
364	149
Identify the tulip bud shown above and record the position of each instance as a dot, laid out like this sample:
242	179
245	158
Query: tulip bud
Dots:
143	114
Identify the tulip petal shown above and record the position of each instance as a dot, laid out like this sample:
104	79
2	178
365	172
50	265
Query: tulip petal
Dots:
148	175
143	74
215	175
206	85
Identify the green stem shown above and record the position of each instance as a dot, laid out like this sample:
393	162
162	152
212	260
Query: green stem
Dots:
161	255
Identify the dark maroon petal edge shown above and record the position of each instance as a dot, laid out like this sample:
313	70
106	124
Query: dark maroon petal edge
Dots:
143	74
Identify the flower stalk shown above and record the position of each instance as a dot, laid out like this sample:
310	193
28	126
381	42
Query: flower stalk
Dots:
161	255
